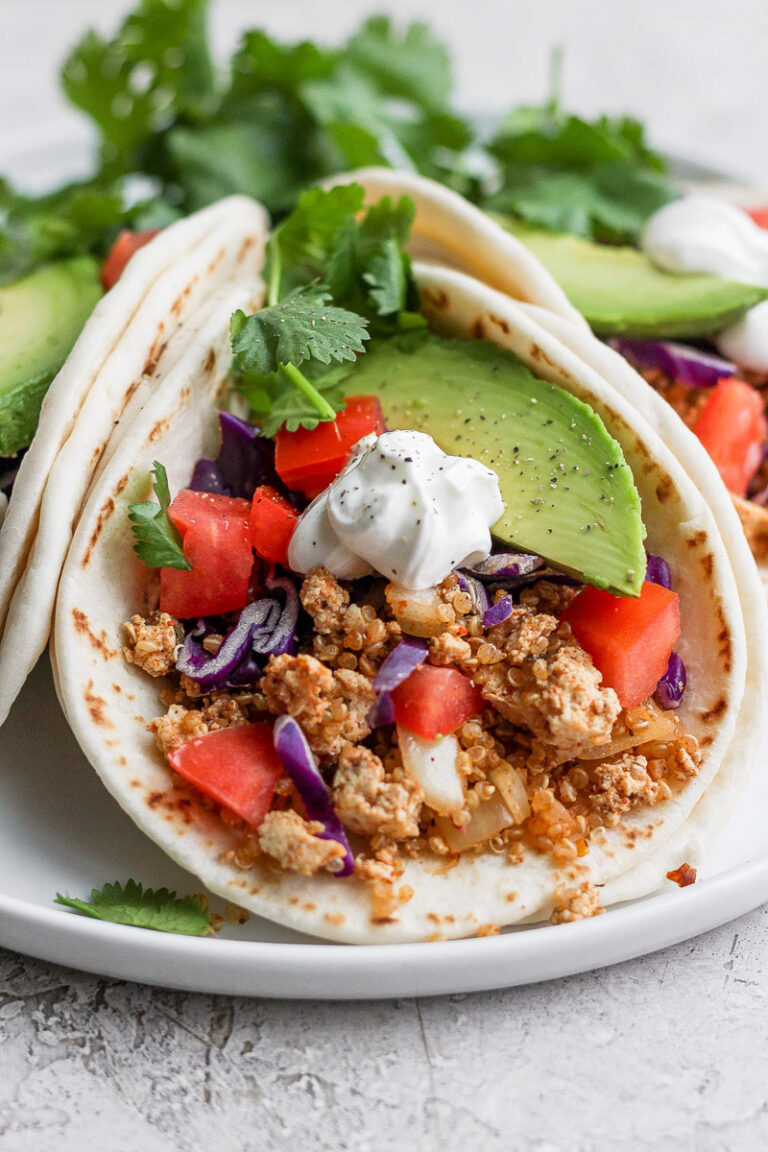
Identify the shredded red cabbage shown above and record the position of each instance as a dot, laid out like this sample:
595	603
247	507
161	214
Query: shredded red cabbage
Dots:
498	612
264	628
657	571
680	362
397	667
506	566
300	764
670	689
246	459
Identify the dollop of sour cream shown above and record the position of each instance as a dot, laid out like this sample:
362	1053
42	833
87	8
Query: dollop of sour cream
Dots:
403	508
702	234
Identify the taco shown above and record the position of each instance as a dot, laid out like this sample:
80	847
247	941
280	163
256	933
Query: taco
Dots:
696	288
135	335
459	689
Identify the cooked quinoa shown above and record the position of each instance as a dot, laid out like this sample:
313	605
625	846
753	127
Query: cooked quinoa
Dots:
553	750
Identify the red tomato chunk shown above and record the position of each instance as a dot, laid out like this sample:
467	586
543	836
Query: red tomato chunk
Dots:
733	429
216	536
760	216
120	253
629	638
435	701
308	461
236	767
273	523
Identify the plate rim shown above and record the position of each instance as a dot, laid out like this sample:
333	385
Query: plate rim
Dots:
304	971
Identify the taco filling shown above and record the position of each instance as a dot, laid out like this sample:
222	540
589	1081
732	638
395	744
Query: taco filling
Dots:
364	659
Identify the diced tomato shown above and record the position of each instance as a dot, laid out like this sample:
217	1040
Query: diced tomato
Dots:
435	701
216	537
237	767
307	461
733	429
759	215
120	253
273	523
629	638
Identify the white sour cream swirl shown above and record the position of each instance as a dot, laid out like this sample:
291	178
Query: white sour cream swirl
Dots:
403	508
702	234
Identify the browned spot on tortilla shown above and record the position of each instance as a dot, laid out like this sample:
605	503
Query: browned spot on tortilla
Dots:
98	643
293	900
499	322
478	329
95	455
210	361
433	916
436	297
117	688
309	906
708	564
216	261
154	799
155	352
247	244
716	711
122	483
511	897
184	394
664	489
706	740
160	427
107	509
121	760
724	640
178	304
135	783
96	707
697	540
335	918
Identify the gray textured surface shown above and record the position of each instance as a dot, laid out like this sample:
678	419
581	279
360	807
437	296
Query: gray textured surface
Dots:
667	1054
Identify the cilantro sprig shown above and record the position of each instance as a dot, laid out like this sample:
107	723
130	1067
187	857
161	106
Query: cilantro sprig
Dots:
336	275
271	346
158	544
157	909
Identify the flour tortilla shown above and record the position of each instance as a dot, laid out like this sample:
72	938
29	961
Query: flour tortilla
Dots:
109	702
451	232
109	320
226	245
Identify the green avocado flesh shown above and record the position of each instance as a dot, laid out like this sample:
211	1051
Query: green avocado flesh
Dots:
569	494
621	292
40	318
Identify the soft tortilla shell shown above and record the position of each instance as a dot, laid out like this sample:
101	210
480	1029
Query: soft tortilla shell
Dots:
109	702
232	246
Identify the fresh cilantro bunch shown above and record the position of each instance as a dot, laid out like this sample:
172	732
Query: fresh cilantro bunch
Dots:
158	544
591	178
280	118
140	907
335	275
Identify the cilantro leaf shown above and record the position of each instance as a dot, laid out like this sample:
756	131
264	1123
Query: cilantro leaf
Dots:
131	903
307	238
158	544
412	66
593	178
303	326
156	69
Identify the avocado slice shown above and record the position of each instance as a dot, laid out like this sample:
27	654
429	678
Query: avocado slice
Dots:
621	292
41	316
569	494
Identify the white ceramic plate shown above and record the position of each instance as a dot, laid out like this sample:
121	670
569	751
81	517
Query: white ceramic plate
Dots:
60	831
